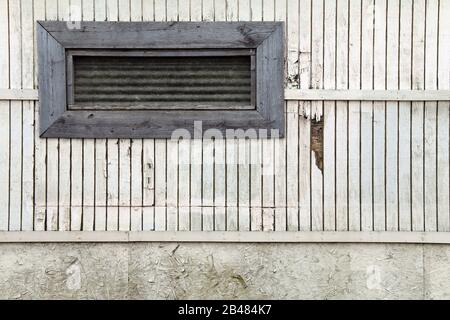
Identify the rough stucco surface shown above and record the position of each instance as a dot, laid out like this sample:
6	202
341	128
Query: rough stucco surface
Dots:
228	271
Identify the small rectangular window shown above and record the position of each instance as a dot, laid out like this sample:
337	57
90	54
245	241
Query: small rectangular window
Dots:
159	80
148	79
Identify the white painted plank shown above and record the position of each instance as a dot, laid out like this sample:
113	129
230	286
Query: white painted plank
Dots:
354	209
404	120
124	184
101	163
160	10
160	184
329	118
317	25
417	117
64	153
443	125
292	121
27	117
112	210
88	145
244	152
136	14
255	185
196	152
124	152
305	117
148	149
51	13
207	184
243	184
268	152
231	152
76	176
342	24
148	195
367	57
4	117
172	184
76	190
232	10
219	185
392	116
184	154
379	116
256	211
366	95
430	120
232	184
15	152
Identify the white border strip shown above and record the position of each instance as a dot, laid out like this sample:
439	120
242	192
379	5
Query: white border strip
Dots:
227	236
367	95
299	94
18	94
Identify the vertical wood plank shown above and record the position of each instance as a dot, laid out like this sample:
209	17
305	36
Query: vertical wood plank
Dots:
244	153
148	221
354	109
101	161
329	118
268	153
39	144
15	117
52	178
305	116
4	116
417	117
27	117
404	118
392	53
317	29
196	152
88	195
76	159
208	152
220	219
292	121
443	122
112	210
430	119
184	155
136	152
89	183
367	116
148	148
256	222
342	66
231	152
379	116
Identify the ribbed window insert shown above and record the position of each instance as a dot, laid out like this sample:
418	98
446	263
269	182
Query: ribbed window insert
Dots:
130	82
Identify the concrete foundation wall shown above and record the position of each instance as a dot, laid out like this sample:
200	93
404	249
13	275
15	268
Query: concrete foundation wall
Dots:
228	271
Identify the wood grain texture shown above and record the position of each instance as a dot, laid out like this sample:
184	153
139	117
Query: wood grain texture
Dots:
400	149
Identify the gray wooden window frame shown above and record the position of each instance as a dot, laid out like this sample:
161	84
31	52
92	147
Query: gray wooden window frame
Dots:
56	41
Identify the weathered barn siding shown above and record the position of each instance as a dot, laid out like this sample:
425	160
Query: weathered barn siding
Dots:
384	165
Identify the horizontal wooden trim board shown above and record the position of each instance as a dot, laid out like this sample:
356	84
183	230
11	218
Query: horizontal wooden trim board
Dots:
367	95
227	236
18	94
299	94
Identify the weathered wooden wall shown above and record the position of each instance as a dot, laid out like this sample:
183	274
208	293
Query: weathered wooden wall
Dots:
385	164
